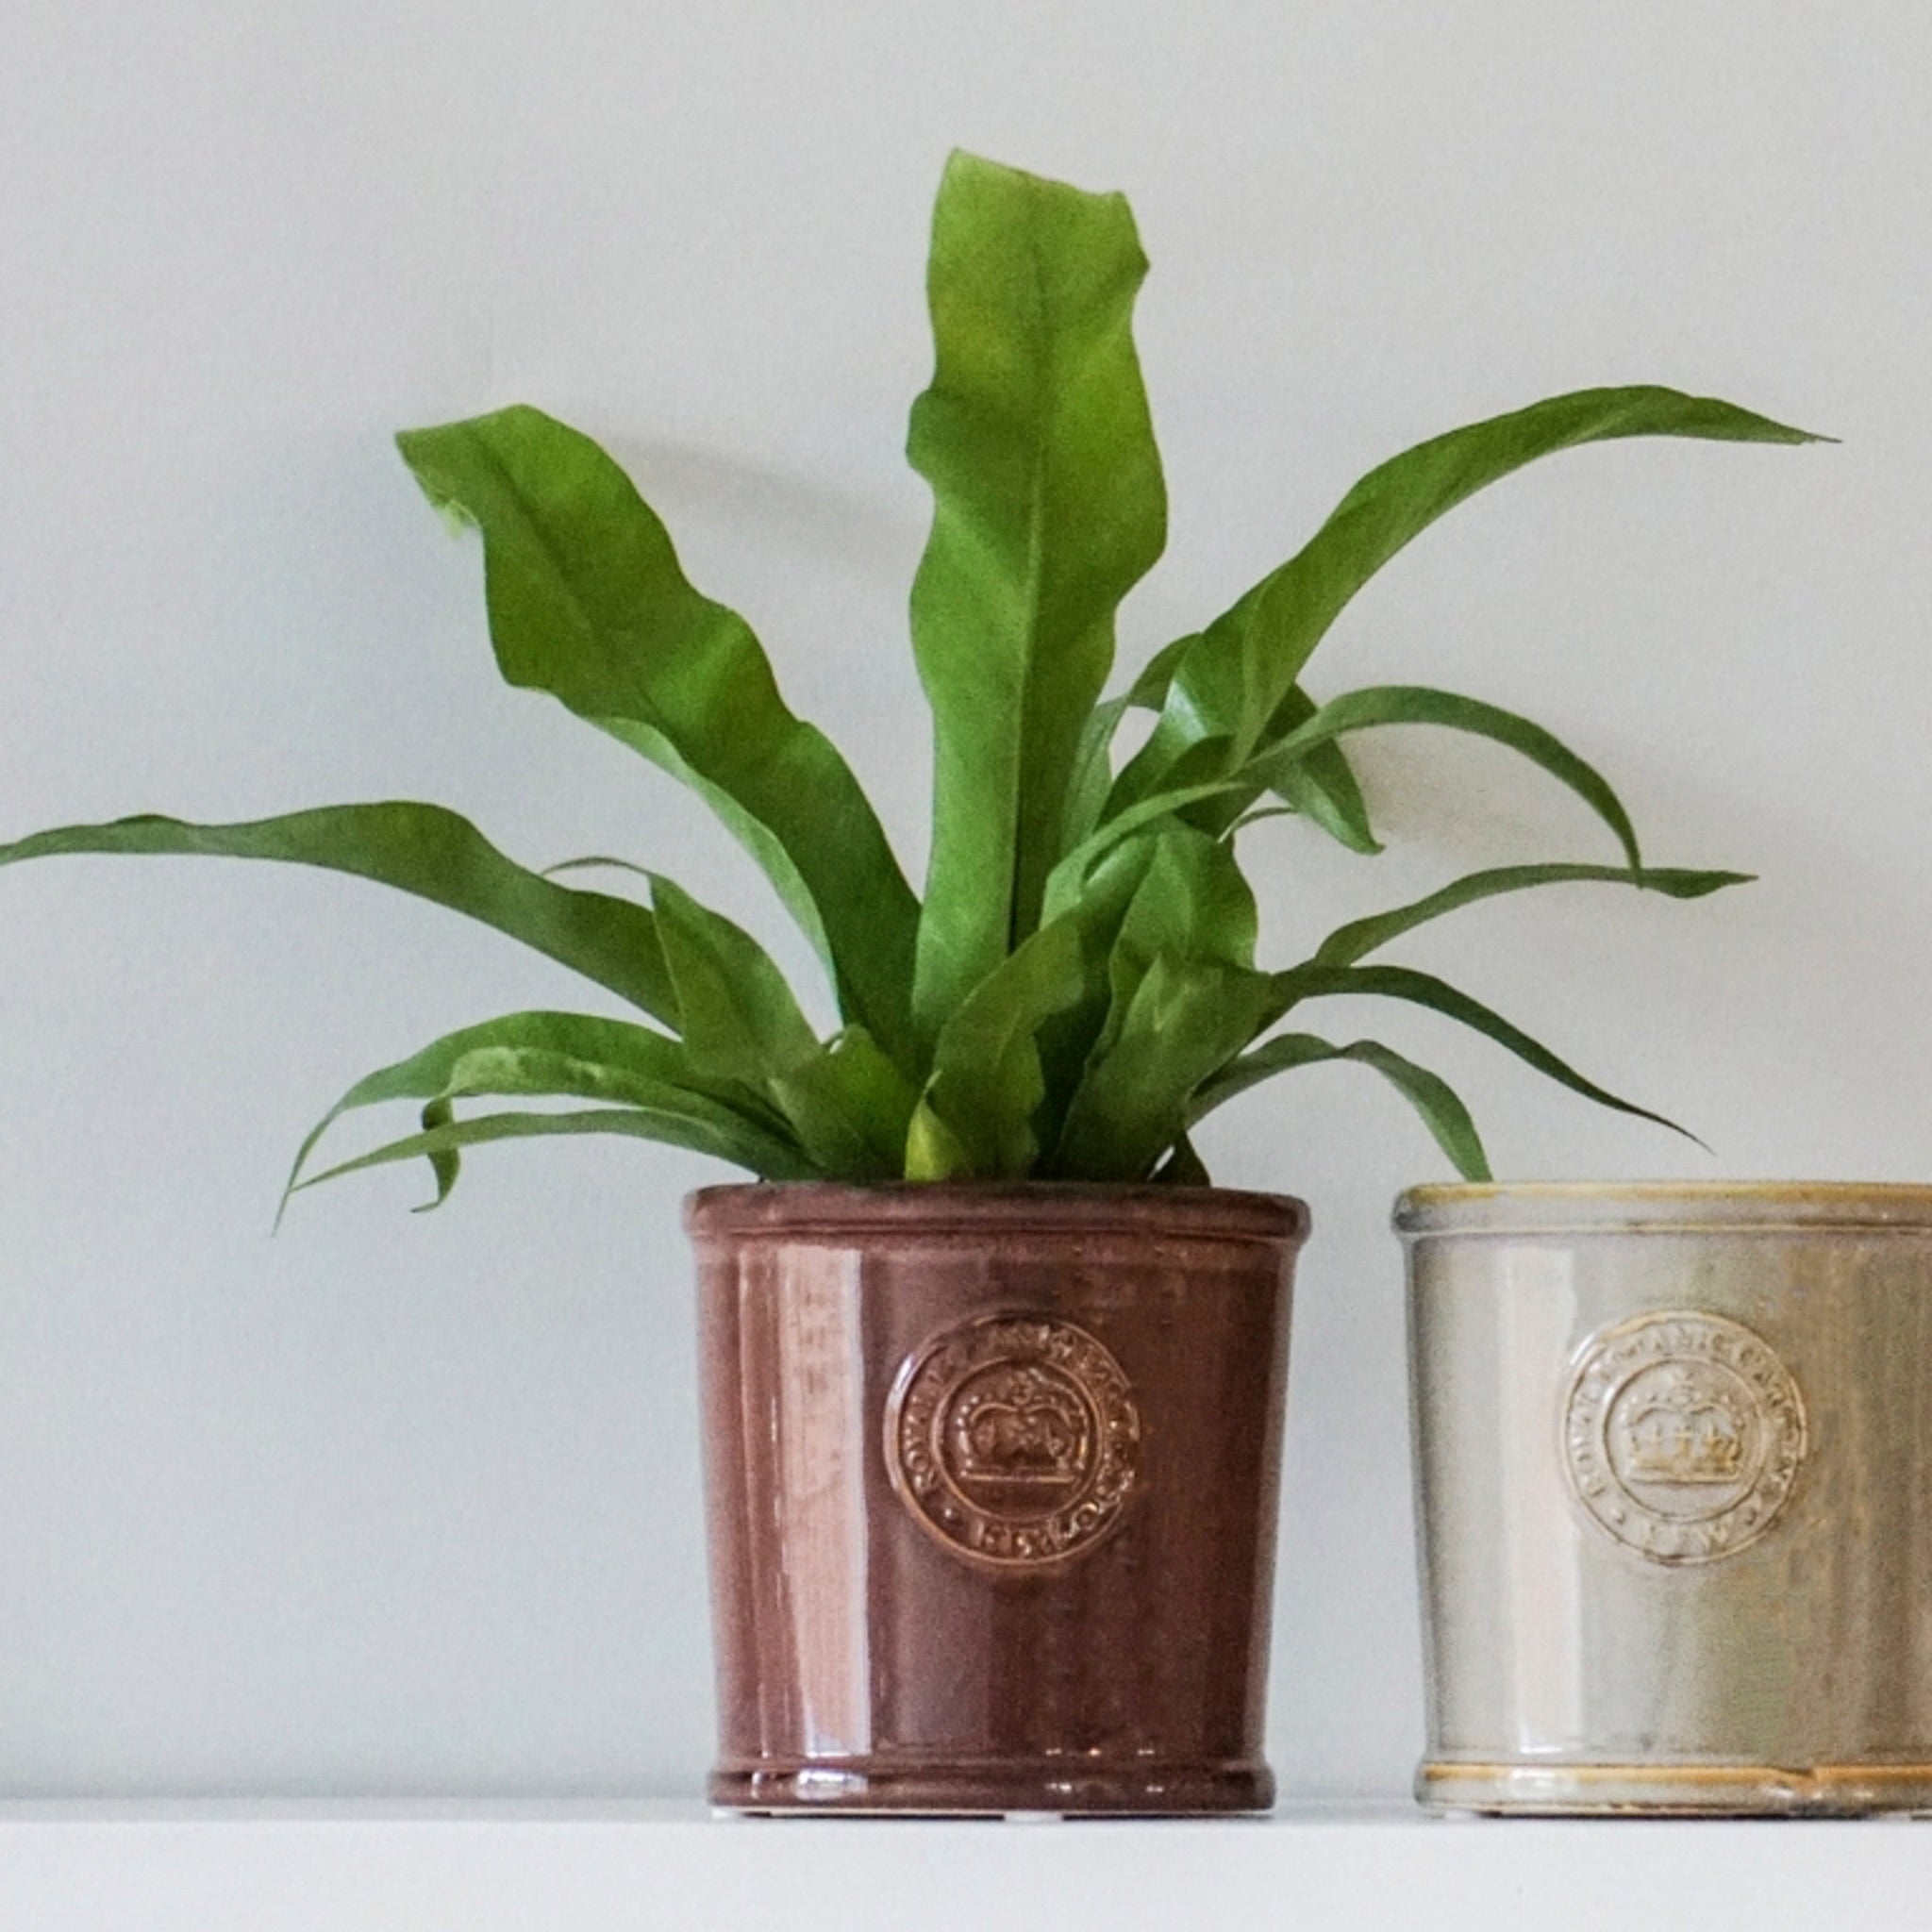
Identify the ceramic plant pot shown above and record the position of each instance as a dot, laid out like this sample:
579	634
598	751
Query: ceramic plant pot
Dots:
1674	1457
992	1477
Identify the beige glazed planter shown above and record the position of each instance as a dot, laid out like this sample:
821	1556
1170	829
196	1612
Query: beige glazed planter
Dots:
1673	1464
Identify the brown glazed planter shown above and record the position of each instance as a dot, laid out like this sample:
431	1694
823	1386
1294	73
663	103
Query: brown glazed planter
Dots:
992	1477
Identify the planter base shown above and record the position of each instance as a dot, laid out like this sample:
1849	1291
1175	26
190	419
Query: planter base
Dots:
1675	1791
1145	1788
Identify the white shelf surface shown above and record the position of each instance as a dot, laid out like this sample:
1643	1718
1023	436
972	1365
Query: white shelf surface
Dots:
607	1867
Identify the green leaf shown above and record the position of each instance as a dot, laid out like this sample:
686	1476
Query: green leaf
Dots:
846	1103
1066	1039
429	852
975	1118
1048	506
1356	710
595	861
1191	918
1092	772
1414	704
1067	883
933	1151
1149	691
1322	786
851	1108
741	1021
1423	990
1186	1021
1191	902
1260	816
575	1054
587	602
1231	681
1350	942
446	1164
676	1128
1092	776
1056	992
1440	1110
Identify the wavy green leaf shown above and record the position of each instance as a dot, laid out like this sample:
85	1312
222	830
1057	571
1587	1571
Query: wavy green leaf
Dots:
587	602
1093	777
1260	816
742	1022
1423	990
1415	703
429	852
1231	681
1092	773
595	861
1148	691
579	1056
1321	785
1192	907
1435	1101
846	1103
1186	1019
445	1164
1096	916
850	1108
1047	507
1356	710
1350	942
1191	902
674	1127
975	1119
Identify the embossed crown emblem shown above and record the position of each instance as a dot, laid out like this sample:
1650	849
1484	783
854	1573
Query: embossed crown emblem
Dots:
1013	1438
1687	1431
1018	1426
1682	1435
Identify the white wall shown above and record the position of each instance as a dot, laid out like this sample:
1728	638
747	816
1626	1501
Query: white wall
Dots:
410	1505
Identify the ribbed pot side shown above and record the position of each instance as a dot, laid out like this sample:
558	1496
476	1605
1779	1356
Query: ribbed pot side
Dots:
1673	1465
991	1476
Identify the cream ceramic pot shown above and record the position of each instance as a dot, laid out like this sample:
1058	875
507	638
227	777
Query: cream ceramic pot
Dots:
1673	1468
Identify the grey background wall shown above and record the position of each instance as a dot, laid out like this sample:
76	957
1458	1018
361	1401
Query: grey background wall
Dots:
410	1505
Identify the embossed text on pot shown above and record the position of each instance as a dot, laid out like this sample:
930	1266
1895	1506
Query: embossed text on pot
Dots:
1673	1460
992	1477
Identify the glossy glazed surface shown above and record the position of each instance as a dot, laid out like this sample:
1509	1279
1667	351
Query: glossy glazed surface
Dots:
991	1476
1674	1463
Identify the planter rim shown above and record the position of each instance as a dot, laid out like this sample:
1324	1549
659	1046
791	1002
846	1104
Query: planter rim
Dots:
789	1209
1661	1207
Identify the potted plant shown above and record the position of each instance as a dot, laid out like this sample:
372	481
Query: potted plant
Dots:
1676	1521
992	1381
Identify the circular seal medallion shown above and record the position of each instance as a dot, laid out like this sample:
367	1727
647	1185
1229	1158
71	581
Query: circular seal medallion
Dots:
1682	1435
1013	1440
